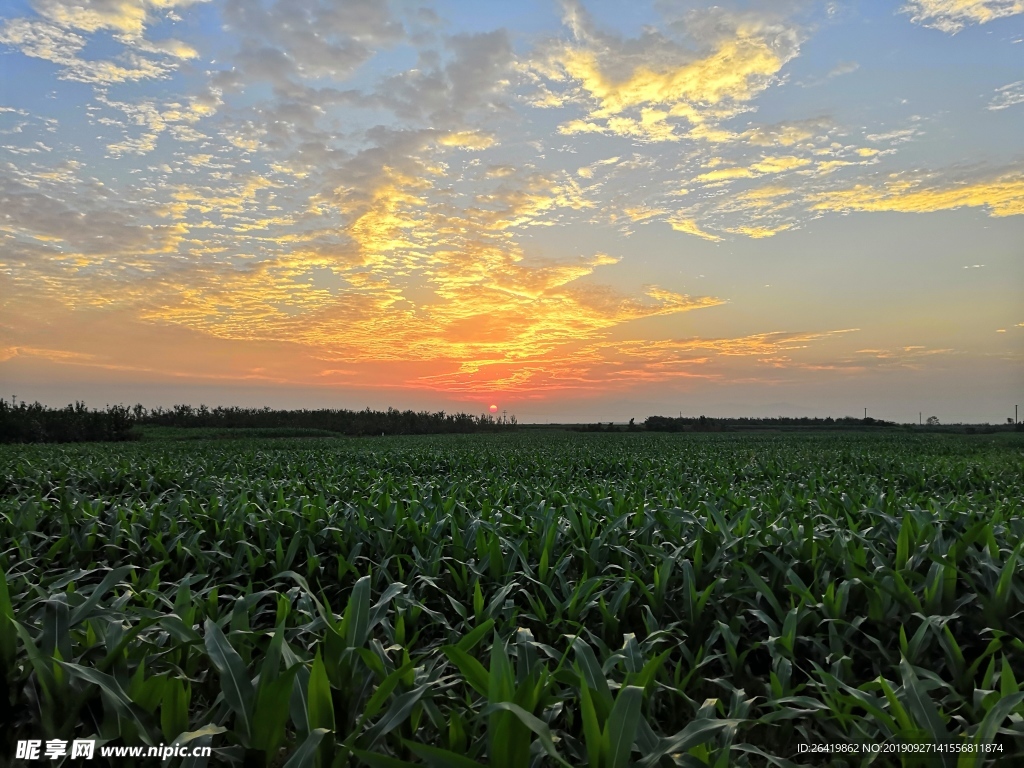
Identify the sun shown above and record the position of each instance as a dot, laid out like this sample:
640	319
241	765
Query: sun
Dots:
493	409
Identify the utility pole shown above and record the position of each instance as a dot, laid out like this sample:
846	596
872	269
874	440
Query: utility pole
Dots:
503	416
14	401
920	418
865	413
1015	415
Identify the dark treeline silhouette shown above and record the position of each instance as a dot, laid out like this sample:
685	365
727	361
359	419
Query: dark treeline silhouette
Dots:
37	423
365	422
705	424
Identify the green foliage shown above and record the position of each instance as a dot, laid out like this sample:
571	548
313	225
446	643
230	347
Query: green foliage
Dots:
518	601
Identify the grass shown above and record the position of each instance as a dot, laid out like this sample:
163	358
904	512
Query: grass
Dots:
519	600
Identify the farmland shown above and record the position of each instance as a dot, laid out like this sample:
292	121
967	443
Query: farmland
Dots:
520	599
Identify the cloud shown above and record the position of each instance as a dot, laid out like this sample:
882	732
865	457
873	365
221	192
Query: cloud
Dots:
467	140
843	68
58	355
1008	96
385	268
690	227
953	15
643	88
758	233
606	366
609	366
787	134
642	213
58	35
898	136
470	77
322	39
1001	196
726	174
766	165
908	357
763	197
840	69
125	17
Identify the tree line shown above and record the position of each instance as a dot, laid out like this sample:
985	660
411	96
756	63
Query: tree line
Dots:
37	423
24	423
707	424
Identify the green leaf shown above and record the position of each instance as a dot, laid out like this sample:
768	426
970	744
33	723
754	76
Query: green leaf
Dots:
696	733
1007	682
921	704
594	677
903	544
397	713
502	678
200	738
234	681
320	703
356	624
113	693
474	672
593	735
440	758
1000	711
271	713
305	755
375	760
174	709
298	702
908	729
1005	584
469	640
41	665
765	591
622	724
534	723
384	690
8	634
82	612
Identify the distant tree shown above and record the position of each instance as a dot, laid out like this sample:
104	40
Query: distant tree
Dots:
932	421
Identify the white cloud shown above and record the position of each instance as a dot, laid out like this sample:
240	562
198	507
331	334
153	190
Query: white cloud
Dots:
1008	96
953	15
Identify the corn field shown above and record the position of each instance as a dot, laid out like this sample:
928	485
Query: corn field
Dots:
519	600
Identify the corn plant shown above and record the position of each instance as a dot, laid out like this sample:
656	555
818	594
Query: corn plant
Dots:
518	601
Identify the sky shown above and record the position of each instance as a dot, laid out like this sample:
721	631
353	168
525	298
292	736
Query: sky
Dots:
577	211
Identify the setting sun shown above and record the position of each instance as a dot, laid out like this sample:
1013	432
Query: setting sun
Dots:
493	409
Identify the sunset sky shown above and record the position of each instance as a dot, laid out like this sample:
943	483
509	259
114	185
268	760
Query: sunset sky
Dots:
577	211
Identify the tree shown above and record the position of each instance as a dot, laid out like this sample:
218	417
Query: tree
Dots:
932	421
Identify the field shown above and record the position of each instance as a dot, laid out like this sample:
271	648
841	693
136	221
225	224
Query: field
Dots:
520	599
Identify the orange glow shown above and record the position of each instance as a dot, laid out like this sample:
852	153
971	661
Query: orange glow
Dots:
494	409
